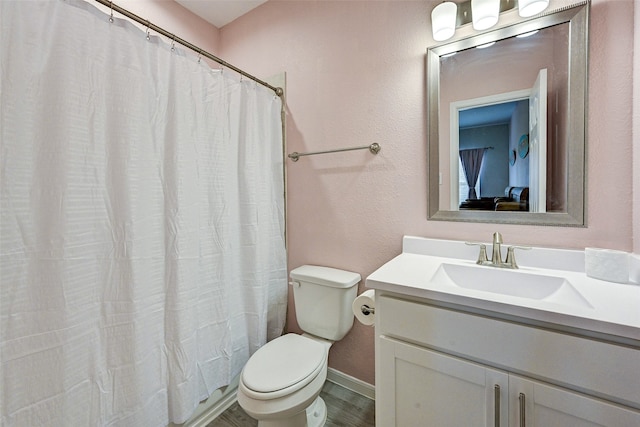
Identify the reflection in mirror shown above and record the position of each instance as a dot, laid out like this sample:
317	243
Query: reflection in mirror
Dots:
506	123
488	127
541	73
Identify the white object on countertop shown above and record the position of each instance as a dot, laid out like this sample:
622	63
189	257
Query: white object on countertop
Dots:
607	264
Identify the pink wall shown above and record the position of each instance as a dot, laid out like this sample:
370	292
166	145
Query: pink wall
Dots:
356	75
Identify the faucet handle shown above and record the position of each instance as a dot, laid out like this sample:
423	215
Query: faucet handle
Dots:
511	256
482	256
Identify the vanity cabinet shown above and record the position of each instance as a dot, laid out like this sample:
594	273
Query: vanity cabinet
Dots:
445	367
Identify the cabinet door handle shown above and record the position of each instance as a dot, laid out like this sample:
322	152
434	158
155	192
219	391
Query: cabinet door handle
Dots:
521	400
496	405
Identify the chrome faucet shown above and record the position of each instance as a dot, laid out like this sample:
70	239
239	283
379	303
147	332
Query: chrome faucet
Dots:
496	253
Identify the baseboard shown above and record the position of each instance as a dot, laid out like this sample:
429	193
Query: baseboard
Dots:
351	383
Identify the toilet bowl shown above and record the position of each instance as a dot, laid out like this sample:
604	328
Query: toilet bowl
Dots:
280	384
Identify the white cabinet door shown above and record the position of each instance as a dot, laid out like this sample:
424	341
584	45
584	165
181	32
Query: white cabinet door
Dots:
535	404
420	387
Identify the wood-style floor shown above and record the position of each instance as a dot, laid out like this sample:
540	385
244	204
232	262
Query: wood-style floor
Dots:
344	409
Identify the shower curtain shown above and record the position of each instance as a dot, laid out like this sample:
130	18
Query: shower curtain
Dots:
142	252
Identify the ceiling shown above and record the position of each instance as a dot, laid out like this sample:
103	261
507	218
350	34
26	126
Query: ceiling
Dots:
220	12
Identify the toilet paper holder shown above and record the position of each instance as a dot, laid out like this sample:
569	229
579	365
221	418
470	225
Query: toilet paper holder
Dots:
363	307
366	310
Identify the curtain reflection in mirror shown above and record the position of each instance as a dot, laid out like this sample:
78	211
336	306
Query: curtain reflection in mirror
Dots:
472	163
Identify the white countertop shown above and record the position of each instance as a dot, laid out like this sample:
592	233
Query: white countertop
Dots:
613	309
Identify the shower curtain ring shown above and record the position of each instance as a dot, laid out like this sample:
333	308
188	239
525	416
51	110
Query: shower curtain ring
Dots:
111	8
148	29
173	43
199	55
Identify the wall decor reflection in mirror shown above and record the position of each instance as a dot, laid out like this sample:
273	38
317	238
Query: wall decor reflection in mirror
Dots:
521	95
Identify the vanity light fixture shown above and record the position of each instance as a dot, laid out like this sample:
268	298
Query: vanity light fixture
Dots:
443	20
483	14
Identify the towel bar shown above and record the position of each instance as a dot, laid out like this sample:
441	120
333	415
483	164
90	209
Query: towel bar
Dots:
373	148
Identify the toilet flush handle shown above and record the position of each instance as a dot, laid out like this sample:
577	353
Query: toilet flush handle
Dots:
294	284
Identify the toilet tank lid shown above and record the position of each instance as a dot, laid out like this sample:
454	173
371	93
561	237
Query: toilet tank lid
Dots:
326	276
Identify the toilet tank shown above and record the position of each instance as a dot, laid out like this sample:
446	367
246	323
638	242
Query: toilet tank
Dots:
323	298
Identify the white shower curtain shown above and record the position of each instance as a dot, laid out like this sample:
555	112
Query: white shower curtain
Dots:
142	251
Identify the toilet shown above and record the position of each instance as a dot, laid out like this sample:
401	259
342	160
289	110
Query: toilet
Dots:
280	384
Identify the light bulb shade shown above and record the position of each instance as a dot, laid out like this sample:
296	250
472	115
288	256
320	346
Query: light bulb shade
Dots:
484	13
528	8
443	20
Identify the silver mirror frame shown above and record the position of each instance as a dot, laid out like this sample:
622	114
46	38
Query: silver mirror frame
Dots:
578	18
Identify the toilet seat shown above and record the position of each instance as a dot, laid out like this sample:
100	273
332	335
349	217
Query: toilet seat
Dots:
283	366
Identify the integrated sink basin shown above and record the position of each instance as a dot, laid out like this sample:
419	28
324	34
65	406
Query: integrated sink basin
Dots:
506	282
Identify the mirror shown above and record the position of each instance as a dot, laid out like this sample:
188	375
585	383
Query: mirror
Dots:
511	118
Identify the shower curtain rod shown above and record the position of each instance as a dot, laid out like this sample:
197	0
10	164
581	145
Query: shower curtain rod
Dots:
186	44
